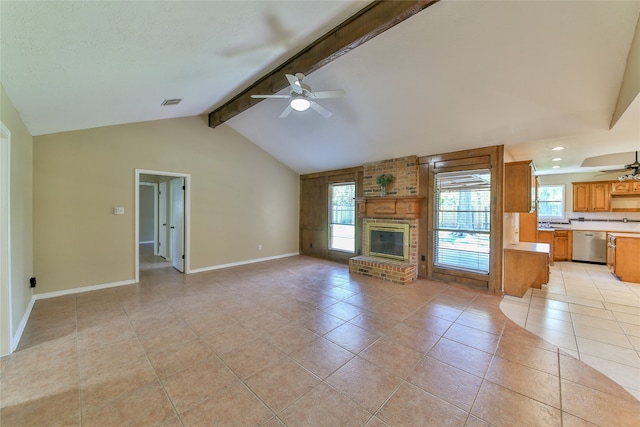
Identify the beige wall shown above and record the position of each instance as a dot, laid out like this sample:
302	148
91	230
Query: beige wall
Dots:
21	212
241	197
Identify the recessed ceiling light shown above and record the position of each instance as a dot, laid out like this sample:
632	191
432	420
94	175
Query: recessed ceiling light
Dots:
558	148
555	167
557	159
174	101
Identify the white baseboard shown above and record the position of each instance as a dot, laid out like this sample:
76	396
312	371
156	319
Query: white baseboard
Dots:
83	289
15	340
235	264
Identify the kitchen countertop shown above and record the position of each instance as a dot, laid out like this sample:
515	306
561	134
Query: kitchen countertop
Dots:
633	235
578	228
528	247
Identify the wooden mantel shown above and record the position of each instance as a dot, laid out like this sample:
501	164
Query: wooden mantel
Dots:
389	207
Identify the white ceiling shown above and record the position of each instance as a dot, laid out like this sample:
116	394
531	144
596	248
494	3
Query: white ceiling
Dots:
460	74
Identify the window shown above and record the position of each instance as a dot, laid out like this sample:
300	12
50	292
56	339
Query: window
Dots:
342	217
551	201
462	220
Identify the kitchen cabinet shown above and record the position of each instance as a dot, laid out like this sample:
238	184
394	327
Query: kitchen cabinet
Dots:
548	237
622	256
625	188
526	265
562	244
528	227
519	187
592	196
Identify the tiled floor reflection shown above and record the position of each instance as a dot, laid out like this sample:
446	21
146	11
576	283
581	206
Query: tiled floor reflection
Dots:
588	313
295	342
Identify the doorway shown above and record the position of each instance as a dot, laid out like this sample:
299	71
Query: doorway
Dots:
167	209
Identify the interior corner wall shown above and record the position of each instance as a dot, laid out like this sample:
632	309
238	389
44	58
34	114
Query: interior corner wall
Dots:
21	211
241	197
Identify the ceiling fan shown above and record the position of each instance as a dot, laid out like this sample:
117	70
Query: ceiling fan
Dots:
634	168
302	97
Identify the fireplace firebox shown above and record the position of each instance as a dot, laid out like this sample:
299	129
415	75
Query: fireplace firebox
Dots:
387	240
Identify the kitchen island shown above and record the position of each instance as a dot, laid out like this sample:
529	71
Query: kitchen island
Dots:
526	265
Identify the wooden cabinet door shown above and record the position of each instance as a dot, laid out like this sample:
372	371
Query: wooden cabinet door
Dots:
581	197
519	187
561	246
626	265
600	199
621	187
635	187
528	227
547	236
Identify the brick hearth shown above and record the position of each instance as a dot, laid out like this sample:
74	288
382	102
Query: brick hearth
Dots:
391	271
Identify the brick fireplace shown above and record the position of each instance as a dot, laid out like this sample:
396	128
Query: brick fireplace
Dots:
395	212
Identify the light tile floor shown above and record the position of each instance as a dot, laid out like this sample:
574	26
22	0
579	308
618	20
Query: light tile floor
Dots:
296	342
588	313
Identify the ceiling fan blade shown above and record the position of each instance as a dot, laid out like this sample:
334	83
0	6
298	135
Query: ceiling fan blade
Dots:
614	171
294	82
320	109
338	93
271	96
286	112
616	159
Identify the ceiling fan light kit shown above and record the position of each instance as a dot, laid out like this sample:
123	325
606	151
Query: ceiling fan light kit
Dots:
633	176
303	97
300	104
630	177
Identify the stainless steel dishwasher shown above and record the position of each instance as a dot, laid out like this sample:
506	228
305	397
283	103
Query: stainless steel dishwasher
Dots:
590	246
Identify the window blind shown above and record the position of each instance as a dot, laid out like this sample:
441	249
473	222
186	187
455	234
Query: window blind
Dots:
462	220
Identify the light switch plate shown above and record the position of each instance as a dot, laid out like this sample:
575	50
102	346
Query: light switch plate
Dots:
118	211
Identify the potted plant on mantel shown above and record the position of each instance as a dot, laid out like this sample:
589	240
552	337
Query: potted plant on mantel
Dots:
384	180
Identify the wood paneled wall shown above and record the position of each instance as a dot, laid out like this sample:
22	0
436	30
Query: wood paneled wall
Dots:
314	212
488	157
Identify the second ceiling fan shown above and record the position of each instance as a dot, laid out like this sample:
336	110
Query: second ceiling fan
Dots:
302	97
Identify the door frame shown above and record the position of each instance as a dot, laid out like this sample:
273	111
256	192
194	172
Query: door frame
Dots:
6	310
177	251
187	216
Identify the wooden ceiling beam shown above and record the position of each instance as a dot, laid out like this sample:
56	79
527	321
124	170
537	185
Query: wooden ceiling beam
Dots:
371	21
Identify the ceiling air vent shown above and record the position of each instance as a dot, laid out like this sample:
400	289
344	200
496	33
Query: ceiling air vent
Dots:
175	101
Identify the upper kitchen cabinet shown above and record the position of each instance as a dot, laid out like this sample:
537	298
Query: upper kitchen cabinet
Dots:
625	188
591	197
519	187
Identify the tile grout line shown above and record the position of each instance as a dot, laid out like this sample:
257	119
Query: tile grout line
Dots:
560	389
146	355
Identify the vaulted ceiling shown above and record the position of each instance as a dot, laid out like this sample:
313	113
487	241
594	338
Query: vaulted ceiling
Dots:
460	74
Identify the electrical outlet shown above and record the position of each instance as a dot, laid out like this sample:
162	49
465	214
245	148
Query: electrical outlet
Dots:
259	247
32	282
